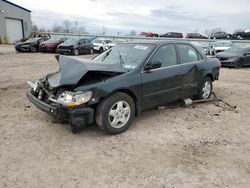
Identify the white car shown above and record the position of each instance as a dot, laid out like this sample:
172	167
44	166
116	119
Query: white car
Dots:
221	46
101	45
112	44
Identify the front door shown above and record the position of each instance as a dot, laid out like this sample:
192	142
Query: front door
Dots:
163	84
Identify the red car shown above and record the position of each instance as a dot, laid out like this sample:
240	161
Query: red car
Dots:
148	34
195	36
50	45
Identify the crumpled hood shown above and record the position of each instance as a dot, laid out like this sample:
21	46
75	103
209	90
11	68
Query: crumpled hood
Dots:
26	43
73	69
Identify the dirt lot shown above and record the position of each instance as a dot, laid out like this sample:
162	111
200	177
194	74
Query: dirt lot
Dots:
205	145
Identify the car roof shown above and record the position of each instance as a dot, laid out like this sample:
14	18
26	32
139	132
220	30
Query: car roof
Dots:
155	42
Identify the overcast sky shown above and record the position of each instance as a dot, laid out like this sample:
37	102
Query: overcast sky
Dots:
158	16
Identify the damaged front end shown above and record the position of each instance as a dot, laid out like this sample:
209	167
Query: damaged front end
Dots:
56	94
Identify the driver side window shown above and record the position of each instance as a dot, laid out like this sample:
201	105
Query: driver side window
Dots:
166	55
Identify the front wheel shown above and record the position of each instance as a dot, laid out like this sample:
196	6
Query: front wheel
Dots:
238	64
100	50
115	113
33	49
206	88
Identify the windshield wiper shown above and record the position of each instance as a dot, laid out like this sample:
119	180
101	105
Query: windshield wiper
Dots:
120	57
106	55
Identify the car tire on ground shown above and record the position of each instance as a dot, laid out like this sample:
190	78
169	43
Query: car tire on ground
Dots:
91	51
76	52
33	49
206	89
115	113
238	64
101	50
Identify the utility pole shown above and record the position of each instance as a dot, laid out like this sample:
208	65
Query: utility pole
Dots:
76	23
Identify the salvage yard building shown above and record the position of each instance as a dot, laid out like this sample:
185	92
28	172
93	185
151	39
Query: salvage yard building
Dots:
15	22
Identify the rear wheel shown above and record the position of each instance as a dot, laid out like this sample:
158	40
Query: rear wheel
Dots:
206	88
91	51
115	113
76	52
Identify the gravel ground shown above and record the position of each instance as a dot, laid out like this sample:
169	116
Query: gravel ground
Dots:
204	145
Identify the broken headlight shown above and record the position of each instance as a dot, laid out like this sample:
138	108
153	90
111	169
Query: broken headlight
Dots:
68	98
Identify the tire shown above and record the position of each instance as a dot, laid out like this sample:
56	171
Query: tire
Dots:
76	52
33	49
205	91
101	50
91	51
115	113
238	64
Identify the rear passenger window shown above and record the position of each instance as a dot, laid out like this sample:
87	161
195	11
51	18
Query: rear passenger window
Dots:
187	54
166	55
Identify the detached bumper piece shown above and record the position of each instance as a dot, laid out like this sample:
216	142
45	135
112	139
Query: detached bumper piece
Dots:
78	117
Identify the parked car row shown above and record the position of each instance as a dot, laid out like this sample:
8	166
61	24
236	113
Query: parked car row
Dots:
73	46
216	35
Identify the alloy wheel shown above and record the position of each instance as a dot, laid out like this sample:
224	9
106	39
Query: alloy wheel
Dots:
119	114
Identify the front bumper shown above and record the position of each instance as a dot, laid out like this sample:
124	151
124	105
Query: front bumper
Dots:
228	63
79	116
64	51
22	49
97	48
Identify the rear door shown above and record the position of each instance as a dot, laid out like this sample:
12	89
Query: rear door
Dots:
193	66
247	57
163	84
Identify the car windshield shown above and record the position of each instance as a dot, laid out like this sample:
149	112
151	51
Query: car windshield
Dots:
32	40
130	56
235	50
97	41
71	41
223	44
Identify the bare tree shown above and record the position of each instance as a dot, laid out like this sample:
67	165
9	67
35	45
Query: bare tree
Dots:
42	29
57	28
132	33
208	32
34	27
82	29
67	26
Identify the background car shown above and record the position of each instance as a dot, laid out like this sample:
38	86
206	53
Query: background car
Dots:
195	36
115	42
172	35
30	45
198	45
241	35
101	45
148	34
220	35
76	46
50	45
221	46
235	57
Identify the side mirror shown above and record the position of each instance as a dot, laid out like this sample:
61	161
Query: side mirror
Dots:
152	65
